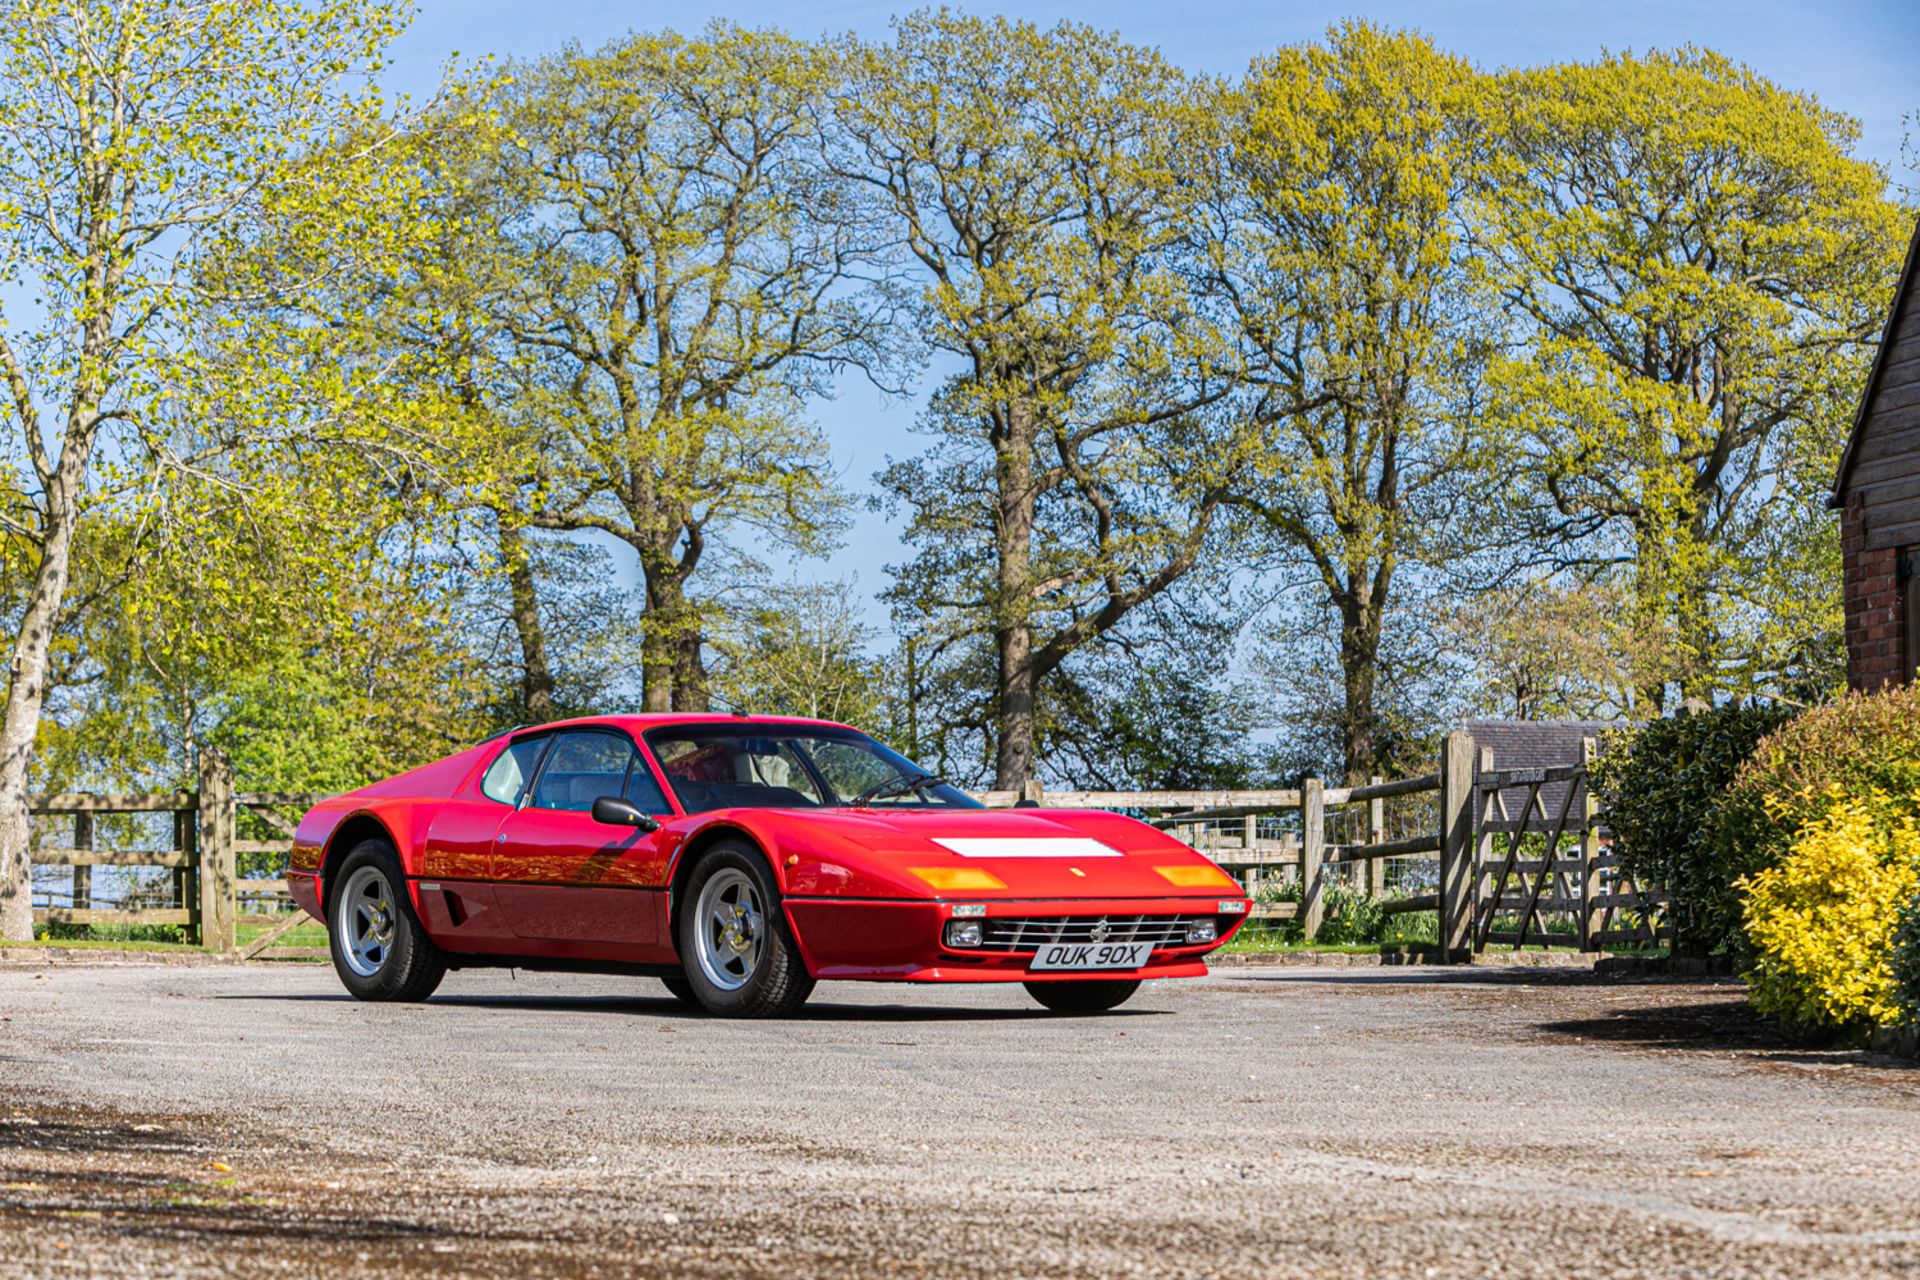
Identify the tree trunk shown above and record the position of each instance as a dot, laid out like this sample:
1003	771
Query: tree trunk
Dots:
1360	621
1013	627
673	676
536	674
27	692
656	656
689	668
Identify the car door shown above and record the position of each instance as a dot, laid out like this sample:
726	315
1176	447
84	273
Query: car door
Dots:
562	876
456	898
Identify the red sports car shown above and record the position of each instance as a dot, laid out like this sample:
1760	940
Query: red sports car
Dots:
740	859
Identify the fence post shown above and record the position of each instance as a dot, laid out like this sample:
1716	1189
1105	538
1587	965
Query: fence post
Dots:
1590	915
1313	835
83	875
216	822
1376	834
1456	847
186	879
1033	792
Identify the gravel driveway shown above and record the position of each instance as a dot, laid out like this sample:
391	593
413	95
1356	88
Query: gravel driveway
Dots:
251	1121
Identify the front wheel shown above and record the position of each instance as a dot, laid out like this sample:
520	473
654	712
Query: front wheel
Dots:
1093	996
379	949
741	961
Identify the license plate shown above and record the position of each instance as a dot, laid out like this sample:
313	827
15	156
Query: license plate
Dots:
1092	955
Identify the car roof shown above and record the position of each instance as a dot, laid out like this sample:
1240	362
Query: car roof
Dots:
635	723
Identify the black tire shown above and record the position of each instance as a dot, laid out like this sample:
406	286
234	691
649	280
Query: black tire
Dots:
1093	995
682	990
408	966
775	982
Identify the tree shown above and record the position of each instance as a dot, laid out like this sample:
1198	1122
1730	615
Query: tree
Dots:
799	651
1043	184
1340	222
1159	721
1549	650
1695	269
129	135
684	273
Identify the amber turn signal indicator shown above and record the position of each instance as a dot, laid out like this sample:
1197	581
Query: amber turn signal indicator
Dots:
1207	877
944	878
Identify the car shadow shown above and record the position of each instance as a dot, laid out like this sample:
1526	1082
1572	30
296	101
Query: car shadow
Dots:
667	1007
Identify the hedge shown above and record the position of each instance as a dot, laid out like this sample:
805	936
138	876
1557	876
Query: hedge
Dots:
1662	785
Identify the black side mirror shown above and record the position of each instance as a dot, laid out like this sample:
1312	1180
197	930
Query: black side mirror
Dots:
616	812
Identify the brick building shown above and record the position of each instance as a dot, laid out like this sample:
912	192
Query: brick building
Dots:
1877	492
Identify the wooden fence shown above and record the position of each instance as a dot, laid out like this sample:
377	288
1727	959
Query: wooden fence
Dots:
204	893
1492	875
1498	878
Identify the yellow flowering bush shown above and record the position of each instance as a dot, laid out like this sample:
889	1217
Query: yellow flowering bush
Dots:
1821	922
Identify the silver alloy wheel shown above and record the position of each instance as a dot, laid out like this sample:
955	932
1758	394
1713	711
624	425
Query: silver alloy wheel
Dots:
364	919
730	929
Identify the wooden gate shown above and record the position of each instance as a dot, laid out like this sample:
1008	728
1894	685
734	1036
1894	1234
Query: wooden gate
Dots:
1544	872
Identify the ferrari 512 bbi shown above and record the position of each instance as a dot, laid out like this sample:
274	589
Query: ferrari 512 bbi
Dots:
739	860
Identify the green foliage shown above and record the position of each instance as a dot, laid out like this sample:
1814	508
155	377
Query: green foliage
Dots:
1150	722
1349	916
165	934
1662	786
799	652
1904	967
1862	745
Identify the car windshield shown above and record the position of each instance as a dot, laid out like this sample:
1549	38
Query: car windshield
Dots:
723	766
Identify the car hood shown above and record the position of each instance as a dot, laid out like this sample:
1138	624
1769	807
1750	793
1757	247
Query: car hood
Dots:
1030	853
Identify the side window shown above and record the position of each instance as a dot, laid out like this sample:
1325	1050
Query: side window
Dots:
643	793
507	775
580	769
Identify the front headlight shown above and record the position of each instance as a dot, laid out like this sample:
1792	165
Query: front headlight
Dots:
966	933
1202	931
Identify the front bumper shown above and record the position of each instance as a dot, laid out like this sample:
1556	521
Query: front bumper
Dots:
901	941
304	887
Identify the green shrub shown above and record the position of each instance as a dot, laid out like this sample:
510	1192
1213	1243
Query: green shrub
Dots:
1848	750
1351	915
1348	915
1906	963
1661	785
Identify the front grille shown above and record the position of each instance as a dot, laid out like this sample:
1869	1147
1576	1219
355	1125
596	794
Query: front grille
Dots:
1030	933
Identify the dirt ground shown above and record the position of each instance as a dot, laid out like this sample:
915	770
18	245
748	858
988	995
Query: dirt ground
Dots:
251	1121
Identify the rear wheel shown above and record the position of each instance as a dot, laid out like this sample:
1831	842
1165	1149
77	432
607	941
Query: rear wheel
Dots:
379	949
1093	996
741	960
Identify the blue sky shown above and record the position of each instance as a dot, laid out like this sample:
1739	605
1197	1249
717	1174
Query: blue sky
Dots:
1857	57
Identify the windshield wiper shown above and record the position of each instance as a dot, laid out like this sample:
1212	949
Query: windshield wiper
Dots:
897	787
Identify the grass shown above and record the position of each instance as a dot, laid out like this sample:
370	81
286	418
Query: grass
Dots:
310	934
166	939
106	944
1263	942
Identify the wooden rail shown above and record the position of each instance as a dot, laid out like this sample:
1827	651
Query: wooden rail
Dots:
203	857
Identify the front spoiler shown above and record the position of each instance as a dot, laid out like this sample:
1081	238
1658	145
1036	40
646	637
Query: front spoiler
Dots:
900	941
